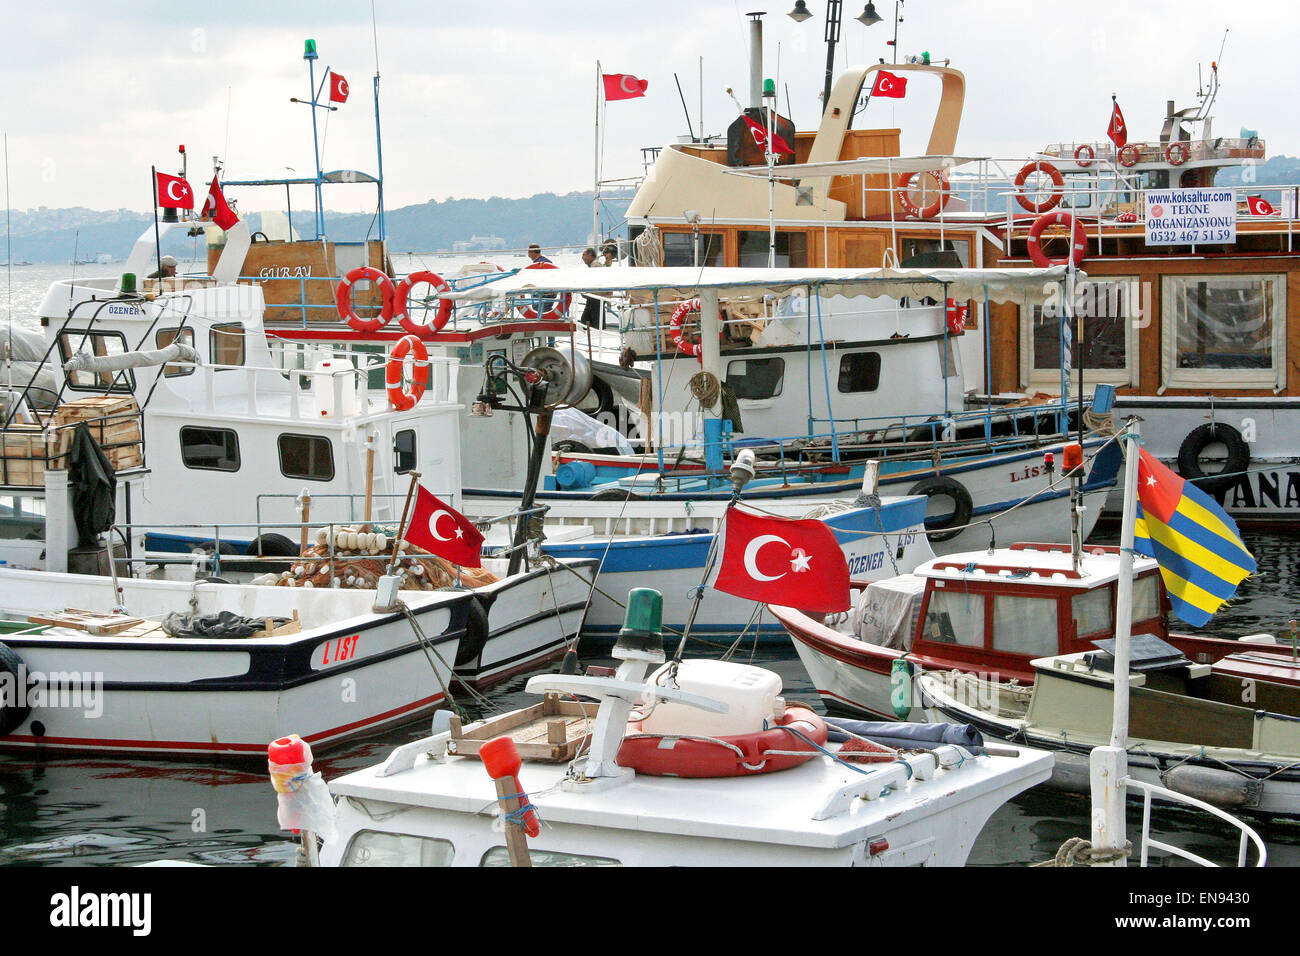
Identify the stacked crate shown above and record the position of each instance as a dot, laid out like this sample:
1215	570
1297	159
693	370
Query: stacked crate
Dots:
114	423
22	460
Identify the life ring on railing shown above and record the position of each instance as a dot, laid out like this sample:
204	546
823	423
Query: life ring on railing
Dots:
1078	239
1200	438
1080	152
684	345
398	395
956	315
942	487
902	188
1129	155
739	755
343	299
556	311
403	293
1058	186
1177	153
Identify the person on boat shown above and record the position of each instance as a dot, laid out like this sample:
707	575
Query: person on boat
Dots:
591	310
166	269
610	253
535	253
589	258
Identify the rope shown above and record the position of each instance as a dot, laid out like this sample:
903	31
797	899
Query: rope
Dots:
1075	847
706	388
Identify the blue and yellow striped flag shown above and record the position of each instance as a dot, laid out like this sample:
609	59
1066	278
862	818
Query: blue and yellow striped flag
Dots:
1200	552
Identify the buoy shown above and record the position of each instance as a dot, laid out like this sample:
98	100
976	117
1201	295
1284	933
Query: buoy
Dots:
1220	788
501	758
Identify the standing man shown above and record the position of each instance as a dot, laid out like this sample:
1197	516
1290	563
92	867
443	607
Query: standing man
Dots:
535	253
591	309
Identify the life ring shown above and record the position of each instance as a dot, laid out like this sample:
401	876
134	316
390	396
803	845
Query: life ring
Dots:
902	187
12	715
556	311
956	315
403	294
1058	187
1177	154
1129	155
1080	152
1078	239
1200	438
398	396
963	507
684	345
343	299
740	755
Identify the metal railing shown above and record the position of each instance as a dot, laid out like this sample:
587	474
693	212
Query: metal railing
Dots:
1147	842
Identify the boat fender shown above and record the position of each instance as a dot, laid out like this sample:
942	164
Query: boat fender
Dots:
476	633
1084	151
561	305
401	297
942	487
665	755
12	714
902	189
1078	239
1200	438
1219	788
1058	187
900	687
399	396
343	299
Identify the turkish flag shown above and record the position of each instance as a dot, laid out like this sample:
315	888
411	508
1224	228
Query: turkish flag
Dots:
1117	131
793	562
759	132
623	86
1259	206
173	192
215	208
442	530
887	84
338	88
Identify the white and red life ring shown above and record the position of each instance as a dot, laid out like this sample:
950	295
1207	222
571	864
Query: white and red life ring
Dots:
1129	155
956	316
399	395
403	294
1058	187
343	299
1080	152
1078	239
1177	154
903	186
740	755
683	344
561	306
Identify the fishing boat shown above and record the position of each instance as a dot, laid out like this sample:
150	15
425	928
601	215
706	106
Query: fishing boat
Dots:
601	780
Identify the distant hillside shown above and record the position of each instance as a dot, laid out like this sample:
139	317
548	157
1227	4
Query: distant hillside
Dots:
1277	170
52	235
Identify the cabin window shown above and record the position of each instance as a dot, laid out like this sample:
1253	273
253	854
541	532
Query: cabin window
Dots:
306	456
955	617
97	344
373	848
1224	331
226	344
1146	598
1107	312
1024	625
166	337
791	250
500	856
680	249
404	451
1093	613
756	378
210	449
859	372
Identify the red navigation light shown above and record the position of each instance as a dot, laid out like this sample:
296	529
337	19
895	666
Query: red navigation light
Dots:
1072	456
181	148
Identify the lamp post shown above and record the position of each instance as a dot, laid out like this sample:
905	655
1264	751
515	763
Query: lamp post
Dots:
800	13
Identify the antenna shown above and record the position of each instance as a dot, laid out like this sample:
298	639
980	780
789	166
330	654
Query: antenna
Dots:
684	109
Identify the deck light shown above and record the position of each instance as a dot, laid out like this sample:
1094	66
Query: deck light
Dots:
800	13
869	16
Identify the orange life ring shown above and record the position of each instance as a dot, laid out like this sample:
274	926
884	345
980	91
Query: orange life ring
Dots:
1079	154
1058	187
398	396
403	293
684	345
1129	155
556	311
903	185
956	315
343	299
1177	154
663	755
1078	239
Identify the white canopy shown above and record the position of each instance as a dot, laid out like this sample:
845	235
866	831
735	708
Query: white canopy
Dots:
862	166
1026	286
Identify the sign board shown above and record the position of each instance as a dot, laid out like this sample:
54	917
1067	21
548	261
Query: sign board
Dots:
1184	217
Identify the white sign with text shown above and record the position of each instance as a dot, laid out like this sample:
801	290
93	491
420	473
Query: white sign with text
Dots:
1182	217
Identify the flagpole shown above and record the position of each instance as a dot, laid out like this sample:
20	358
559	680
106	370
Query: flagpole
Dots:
157	237
401	525
595	165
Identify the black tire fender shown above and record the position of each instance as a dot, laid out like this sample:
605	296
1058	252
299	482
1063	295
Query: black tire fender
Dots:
943	487
1201	437
12	715
476	633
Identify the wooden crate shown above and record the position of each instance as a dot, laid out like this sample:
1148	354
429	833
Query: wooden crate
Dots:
551	732
23	455
114	424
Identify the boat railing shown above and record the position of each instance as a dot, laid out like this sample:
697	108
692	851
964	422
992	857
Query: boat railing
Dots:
1147	842
1223	147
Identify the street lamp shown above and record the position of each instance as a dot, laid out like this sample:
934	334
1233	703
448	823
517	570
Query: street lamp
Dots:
800	13
868	17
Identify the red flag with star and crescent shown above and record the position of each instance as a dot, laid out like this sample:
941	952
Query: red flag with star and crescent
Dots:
792	562
216	208
889	85
442	530
623	86
1117	131
779	145
173	192
338	88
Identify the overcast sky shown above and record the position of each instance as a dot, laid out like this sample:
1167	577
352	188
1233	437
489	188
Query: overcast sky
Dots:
498	98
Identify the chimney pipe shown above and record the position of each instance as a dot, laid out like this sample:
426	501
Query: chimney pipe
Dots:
756	59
